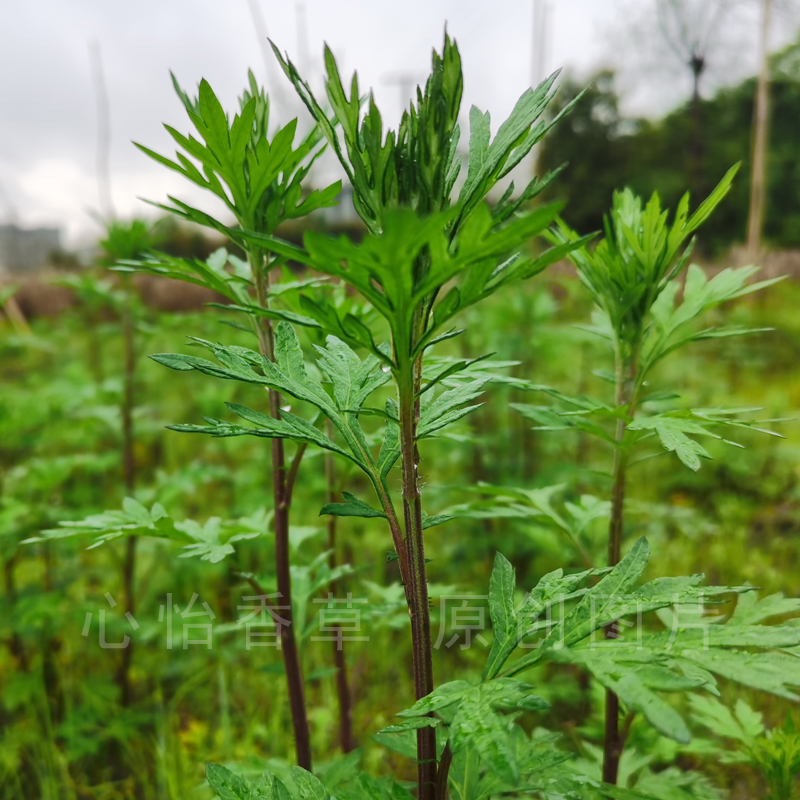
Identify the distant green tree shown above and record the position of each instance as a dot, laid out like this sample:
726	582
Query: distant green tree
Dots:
608	151
592	143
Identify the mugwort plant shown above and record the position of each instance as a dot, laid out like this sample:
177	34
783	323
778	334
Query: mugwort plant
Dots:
633	275
434	247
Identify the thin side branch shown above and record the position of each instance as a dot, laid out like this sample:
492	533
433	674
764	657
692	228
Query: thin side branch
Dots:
291	475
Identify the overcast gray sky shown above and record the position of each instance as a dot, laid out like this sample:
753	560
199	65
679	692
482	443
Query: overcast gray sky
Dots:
47	108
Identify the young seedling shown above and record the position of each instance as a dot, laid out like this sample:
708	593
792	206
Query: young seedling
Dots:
260	180
420	242
123	241
127	241
633	277
775	754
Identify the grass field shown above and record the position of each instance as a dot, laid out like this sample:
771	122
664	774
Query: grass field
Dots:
64	731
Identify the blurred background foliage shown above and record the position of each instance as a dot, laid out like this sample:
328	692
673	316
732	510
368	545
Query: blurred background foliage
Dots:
691	147
64	732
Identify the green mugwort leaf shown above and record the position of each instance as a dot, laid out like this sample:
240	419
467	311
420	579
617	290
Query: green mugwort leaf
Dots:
352	507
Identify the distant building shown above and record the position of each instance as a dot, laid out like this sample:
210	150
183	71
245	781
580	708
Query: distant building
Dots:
27	249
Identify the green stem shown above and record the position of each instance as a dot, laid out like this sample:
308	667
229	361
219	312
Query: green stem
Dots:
128	399
395	529
417	585
129	477
95	348
342	687
281	491
443	772
391	516
626	390
14	643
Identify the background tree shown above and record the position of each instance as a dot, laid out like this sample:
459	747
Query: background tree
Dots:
691	28
755	222
600	143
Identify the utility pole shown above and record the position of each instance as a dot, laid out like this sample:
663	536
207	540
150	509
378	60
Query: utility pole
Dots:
542	18
276	89
540	46
103	132
758	178
303	50
406	81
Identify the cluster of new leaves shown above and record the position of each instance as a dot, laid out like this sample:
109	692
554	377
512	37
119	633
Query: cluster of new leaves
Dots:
563	622
417	167
259	179
632	277
640	255
126	239
402	184
210	541
774	753
261	182
414	168
383	269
